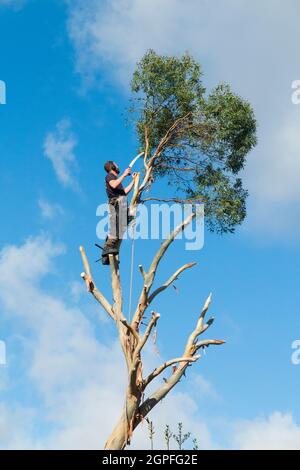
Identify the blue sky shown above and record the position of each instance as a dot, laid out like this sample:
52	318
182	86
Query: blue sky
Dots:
66	66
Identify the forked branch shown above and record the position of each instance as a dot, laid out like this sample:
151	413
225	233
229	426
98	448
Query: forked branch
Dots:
189	356
131	339
170	281
144	299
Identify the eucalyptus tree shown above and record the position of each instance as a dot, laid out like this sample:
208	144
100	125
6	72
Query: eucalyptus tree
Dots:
196	143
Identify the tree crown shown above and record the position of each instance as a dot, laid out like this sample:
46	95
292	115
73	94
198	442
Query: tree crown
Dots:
198	142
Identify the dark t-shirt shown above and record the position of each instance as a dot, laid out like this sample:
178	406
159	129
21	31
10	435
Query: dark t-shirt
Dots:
113	192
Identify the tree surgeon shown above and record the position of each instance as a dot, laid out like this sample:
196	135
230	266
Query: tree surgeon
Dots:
119	216
196	142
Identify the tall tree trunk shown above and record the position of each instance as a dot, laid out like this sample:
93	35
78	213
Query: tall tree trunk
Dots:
123	430
118	437
133	340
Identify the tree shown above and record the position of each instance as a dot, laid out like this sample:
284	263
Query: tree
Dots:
168	435
151	432
198	144
180	438
195	444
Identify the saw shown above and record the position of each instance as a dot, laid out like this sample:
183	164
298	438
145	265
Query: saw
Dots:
135	159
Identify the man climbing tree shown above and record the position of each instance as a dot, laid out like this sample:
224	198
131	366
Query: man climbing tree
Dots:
196	143
119	217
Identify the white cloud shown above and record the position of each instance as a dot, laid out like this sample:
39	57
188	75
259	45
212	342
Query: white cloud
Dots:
16	427
273	181
276	432
177	407
116	33
278	180
16	5
80	381
77	290
59	148
66	364
49	210
252	45
204	388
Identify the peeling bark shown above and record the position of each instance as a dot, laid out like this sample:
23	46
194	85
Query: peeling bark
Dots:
131	340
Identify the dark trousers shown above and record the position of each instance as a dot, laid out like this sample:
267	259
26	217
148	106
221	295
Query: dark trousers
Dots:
118	221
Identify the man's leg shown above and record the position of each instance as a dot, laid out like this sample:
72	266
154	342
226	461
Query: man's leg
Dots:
119	220
111	243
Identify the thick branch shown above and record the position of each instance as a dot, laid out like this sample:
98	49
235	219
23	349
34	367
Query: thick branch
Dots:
207	325
87	277
176	168
179	201
167	364
163	248
130	329
190	350
143	340
135	190
199	327
116	286
119	317
173	278
162	144
160	393
143	273
143	300
207	342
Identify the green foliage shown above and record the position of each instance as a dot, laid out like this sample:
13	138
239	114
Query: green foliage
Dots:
208	145
167	89
224	198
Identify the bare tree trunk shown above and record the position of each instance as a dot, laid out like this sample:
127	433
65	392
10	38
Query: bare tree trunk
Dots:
132	341
117	439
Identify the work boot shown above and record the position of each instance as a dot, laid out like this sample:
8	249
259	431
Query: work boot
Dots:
105	259
111	248
130	219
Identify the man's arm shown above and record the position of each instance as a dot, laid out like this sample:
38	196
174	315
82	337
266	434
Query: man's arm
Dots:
115	183
130	186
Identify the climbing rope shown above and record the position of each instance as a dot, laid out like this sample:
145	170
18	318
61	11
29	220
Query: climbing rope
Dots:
131	272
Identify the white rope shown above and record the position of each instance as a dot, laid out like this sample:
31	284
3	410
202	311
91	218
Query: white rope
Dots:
131	272
129	315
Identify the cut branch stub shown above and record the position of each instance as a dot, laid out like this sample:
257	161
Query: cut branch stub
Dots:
206	306
206	343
